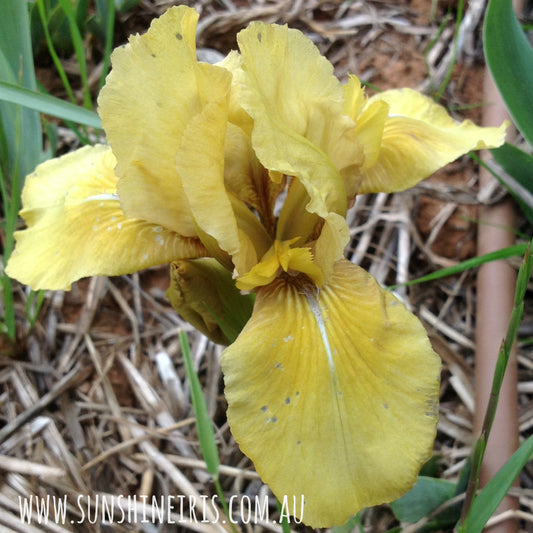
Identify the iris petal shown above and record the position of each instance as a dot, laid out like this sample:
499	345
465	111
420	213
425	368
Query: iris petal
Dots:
419	137
149	97
338	400
76	227
296	103
200	163
329	247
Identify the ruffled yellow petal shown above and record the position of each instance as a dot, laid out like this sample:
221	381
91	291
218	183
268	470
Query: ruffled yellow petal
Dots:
76	228
240	166
354	97
369	131
149	97
263	273
333	394
301	260
237	115
296	103
200	163
254	240
216	208
419	137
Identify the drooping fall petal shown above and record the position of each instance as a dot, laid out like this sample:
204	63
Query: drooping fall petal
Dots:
338	401
155	88
76	228
419	137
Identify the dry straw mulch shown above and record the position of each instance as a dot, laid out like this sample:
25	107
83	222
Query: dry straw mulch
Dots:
96	402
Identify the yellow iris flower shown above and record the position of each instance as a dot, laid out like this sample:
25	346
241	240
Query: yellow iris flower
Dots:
332	385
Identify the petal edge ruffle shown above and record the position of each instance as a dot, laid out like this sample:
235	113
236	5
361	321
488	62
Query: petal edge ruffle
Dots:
76	227
326	404
419	137
149	97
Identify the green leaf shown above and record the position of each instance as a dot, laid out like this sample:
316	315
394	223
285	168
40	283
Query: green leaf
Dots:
519	180
495	490
57	25
125	5
427	495
49	105
504	253
473	512
21	146
206	435
79	49
82	9
351	525
109	18
510	59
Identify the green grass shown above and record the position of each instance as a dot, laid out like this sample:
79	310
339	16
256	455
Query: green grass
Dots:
20	137
478	509
204	427
21	104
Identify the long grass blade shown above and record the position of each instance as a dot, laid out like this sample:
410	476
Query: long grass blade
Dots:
48	105
16	68
53	54
449	72
524	275
79	50
206	435
20	135
110	26
504	253
495	490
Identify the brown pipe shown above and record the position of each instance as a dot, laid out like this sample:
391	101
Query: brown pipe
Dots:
495	293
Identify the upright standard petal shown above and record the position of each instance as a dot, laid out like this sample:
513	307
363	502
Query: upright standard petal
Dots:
419	137
149	97
296	103
338	401
76	228
200	162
